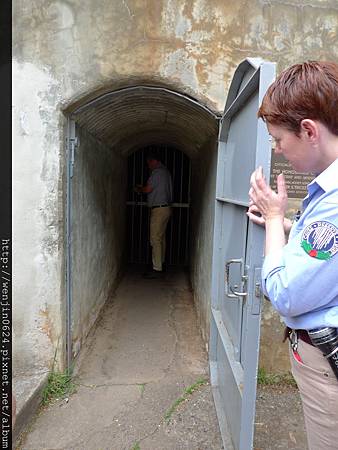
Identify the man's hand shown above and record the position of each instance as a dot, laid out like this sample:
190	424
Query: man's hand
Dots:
143	189
138	188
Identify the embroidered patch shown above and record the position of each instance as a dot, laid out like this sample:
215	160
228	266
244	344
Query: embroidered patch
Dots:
320	240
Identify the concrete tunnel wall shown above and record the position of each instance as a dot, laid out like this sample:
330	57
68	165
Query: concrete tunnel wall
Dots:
109	129
98	244
98	231
203	187
64	51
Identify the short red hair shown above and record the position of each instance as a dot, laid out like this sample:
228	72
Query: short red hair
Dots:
303	91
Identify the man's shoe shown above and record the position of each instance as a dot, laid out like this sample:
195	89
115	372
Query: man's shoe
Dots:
153	274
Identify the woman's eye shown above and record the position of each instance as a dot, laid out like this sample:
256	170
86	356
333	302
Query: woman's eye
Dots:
274	142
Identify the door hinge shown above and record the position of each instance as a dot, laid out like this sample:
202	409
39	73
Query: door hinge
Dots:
258	293
72	144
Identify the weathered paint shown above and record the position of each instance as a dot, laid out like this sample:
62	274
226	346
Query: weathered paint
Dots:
196	43
37	234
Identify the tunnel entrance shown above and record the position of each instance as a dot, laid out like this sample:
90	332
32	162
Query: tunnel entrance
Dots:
102	134
177	234
107	226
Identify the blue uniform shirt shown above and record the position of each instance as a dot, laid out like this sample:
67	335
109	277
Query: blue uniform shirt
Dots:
301	280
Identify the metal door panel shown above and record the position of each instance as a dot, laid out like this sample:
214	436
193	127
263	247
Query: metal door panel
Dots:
234	241
241	155
236	295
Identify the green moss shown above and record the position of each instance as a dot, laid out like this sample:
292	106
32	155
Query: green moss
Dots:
136	446
275	379
187	392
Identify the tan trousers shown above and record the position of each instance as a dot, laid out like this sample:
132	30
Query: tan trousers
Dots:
318	388
159	218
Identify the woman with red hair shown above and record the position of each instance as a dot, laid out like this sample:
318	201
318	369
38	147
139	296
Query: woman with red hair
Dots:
300	275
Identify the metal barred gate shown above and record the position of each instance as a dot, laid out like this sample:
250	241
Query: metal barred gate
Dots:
177	234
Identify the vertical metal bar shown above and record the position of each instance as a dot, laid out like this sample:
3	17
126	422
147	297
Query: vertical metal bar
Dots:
173	215
188	217
69	291
180	211
166	164
133	214
146	211
141	212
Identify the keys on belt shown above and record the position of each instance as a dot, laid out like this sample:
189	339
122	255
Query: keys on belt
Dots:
293	338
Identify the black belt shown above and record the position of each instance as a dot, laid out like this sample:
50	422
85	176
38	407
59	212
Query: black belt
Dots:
302	334
160	206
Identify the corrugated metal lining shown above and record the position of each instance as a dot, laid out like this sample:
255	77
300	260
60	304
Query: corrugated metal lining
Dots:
134	117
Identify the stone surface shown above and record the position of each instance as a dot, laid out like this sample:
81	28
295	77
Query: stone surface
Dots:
145	350
27	392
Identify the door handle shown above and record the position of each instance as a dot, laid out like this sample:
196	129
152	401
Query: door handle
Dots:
230	291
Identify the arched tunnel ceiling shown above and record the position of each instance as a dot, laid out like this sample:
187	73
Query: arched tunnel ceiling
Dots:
134	117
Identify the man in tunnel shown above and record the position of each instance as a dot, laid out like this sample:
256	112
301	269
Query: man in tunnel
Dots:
159	197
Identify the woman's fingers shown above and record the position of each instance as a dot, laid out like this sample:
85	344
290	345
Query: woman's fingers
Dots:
258	182
253	208
264	200
255	215
281	186
258	220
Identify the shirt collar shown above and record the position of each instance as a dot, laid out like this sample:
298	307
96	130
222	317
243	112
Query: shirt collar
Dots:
327	180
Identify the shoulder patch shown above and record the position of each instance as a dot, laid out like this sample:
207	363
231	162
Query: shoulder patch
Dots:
320	240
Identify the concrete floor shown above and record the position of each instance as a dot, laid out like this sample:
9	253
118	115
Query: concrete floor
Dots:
145	350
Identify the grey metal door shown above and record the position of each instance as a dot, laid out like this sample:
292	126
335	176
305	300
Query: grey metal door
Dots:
237	256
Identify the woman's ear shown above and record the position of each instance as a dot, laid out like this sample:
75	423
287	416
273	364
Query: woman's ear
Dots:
310	130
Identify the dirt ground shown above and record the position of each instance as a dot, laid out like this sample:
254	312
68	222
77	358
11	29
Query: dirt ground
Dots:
279	419
193	425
